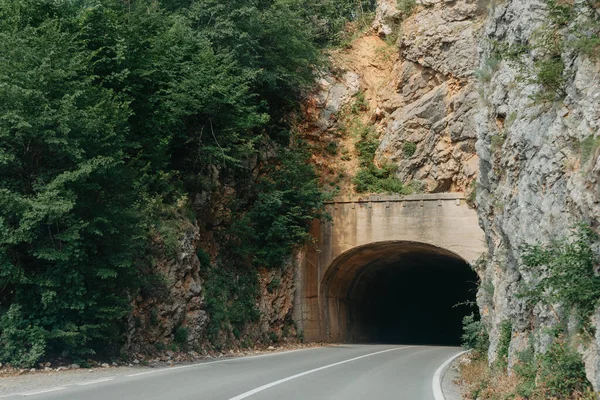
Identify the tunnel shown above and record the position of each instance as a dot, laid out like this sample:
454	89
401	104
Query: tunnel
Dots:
398	292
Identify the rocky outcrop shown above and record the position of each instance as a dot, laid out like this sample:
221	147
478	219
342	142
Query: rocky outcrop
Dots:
387	17
418	94
171	313
323	105
539	168
430	132
173	298
276	302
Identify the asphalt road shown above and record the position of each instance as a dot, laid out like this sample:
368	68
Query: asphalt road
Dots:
336	372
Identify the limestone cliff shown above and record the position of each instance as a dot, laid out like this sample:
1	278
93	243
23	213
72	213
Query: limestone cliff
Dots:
434	101
539	168
414	70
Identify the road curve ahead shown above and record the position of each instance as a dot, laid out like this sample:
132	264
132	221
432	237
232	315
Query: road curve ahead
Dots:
334	372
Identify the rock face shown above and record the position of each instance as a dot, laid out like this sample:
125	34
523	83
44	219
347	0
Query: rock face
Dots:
539	170
417	93
387	17
434	100
178	303
173	298
276	302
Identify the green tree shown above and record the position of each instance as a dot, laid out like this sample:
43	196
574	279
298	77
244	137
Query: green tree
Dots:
69	227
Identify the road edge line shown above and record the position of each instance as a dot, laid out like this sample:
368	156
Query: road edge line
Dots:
436	383
311	371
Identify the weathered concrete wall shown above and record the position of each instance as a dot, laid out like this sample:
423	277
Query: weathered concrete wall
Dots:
363	232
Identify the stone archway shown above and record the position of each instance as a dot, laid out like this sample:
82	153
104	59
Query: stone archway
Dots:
396	291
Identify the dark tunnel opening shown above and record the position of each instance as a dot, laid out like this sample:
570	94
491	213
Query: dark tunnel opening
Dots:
416	299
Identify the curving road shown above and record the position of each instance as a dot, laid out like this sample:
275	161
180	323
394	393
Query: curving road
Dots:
333	372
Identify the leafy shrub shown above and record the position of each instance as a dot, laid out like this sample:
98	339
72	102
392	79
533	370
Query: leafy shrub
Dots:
366	144
557	374
489	68
526	369
474	335
370	178
21	343
409	149
497	141
549	72
566	267
415	186
472	197
288	200
562	372
378	180
203	257
345	155
230	294
153	284
180	337
154	316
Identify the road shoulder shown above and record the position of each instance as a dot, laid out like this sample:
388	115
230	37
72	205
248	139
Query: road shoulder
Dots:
450	387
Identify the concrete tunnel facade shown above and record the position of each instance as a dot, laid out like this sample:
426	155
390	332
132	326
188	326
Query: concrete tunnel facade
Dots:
389	269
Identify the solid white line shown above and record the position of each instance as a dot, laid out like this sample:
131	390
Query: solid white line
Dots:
289	378
436	383
40	391
218	362
96	381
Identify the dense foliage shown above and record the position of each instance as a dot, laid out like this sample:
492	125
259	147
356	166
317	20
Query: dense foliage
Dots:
566	268
112	111
475	336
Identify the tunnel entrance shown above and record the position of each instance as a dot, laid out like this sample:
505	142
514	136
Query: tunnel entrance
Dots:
398	292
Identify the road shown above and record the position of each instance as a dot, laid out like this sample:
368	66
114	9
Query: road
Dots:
334	372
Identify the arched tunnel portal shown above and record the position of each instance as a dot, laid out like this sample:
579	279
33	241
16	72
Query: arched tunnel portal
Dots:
397	292
389	269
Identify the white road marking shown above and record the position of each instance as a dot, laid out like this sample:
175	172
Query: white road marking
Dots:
436	383
84	383
289	378
218	362
41	391
96	381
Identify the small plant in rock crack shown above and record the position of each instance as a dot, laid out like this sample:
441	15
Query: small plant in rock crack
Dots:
409	149
503	345
360	103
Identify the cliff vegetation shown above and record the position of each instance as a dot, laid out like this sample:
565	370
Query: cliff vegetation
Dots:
135	136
